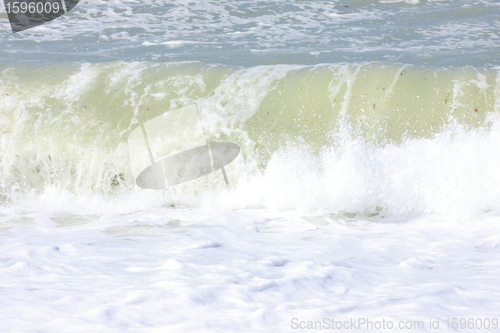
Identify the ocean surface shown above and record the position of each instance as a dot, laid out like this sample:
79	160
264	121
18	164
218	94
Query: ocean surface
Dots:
367	186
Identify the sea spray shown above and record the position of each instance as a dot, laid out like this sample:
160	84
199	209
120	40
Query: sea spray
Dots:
359	137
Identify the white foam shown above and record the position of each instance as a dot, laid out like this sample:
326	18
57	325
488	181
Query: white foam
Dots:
250	270
453	174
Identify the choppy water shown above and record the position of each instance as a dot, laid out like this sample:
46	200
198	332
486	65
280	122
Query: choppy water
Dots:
250	33
370	143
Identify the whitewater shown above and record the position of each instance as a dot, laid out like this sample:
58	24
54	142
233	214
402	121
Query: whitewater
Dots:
366	187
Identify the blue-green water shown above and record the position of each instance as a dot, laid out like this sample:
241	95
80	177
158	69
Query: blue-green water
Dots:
423	33
367	185
270	76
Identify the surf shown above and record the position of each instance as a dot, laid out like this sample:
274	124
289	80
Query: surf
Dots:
66	128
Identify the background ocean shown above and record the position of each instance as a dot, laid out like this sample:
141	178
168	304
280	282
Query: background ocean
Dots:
370	135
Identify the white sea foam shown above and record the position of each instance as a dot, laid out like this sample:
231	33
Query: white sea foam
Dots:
452	174
363	189
247	270
361	185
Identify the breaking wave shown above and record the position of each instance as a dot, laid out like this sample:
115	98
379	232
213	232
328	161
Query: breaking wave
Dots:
363	138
